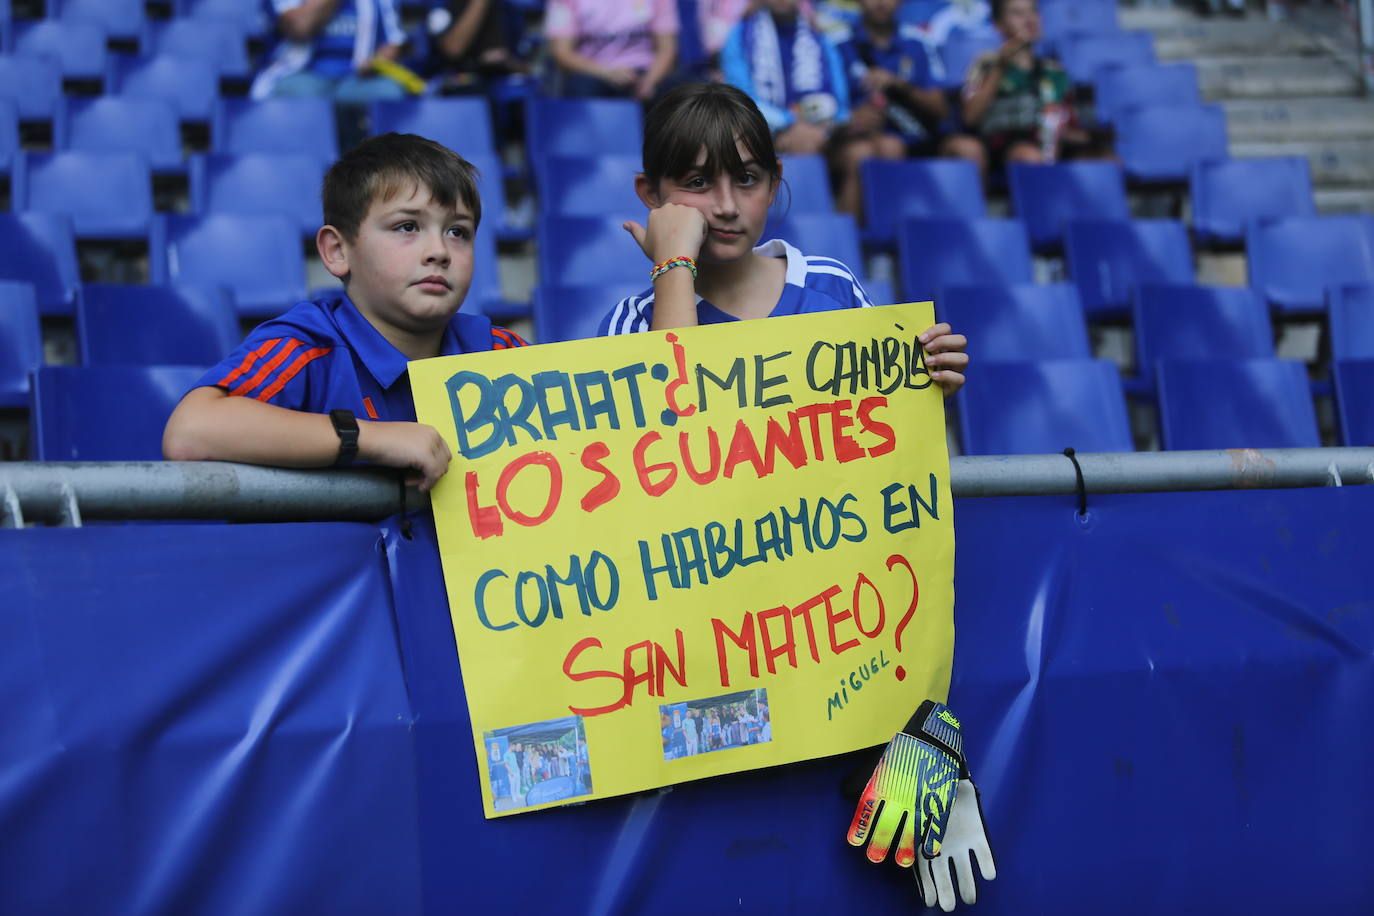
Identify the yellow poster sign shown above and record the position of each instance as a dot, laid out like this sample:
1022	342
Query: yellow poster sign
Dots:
675	555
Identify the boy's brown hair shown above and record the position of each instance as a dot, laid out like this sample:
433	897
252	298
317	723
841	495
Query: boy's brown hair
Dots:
381	167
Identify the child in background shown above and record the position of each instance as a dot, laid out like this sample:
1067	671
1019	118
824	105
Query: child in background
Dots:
1019	103
895	106
325	383
792	71
710	174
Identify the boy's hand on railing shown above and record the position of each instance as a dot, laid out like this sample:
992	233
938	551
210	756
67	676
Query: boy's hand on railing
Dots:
413	446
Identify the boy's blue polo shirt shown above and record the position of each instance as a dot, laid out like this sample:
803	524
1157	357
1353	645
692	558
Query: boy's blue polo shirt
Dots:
323	355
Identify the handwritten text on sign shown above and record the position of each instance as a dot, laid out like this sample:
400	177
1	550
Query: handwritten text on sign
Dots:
674	555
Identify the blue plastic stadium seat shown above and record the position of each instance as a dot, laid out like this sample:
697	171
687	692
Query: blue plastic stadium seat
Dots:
938	253
123	20
1198	322
1293	261
189	84
259	258
155	325
9	134
1222	404
1162	143
40	249
78	47
582	127
1121	88
575	312
461	124
591	186
491	191
585	250
1355	400
1048	197
112	124
805	187
961	48
249	17
1021	322
105	413
1063	20
218	42
484	294
1351	317
107	195
828	235
21	342
1227	194
1043	407
1084	56
34	84
1109	260
286	184
929	189
286	125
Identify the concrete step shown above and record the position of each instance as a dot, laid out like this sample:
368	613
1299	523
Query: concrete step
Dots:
1155	17
1344	200
1275	77
1220	38
1334	163
1299	119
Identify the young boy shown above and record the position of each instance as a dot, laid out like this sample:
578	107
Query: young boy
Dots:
325	384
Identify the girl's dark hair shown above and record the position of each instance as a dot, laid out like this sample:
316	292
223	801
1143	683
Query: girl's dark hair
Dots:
711	115
383	166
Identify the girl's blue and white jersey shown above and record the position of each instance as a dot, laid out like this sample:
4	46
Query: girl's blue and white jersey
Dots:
813	284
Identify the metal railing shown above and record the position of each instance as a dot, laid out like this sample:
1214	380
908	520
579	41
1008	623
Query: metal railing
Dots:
59	493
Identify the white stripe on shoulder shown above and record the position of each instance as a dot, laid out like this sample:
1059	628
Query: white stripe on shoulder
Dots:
844	273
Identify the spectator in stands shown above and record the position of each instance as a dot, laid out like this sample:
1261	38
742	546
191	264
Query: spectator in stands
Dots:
469	45
711	172
1019	103
329	48
717	19
793	73
326	383
896	106
612	47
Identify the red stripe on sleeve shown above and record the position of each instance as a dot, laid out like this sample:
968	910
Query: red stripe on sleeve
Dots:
371	411
261	375
292	371
248	362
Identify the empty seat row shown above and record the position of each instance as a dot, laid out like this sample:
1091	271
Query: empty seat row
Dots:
1049	405
112	413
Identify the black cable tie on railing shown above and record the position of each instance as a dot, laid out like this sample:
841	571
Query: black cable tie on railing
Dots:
1082	487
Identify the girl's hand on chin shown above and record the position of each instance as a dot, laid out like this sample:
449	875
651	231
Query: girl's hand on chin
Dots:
675	230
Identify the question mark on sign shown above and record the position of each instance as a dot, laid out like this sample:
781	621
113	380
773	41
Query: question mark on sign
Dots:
894	560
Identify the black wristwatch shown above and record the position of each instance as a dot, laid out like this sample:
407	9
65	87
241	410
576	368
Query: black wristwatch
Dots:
346	425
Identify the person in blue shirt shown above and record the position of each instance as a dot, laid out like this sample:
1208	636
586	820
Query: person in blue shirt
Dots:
327	48
792	71
326	383
710	174
896	107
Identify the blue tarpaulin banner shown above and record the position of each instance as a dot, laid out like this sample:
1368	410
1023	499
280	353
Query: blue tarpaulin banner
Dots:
1166	703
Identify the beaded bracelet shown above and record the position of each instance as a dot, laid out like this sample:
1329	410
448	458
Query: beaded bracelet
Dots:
679	261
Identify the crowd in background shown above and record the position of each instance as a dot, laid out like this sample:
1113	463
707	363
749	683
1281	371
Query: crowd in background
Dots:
847	80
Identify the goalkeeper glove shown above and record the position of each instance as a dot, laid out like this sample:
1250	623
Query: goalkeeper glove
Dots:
912	789
964	835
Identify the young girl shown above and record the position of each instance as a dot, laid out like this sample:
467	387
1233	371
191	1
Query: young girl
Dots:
710	175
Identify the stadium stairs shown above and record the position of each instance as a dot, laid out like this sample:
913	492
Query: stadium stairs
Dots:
1289	88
